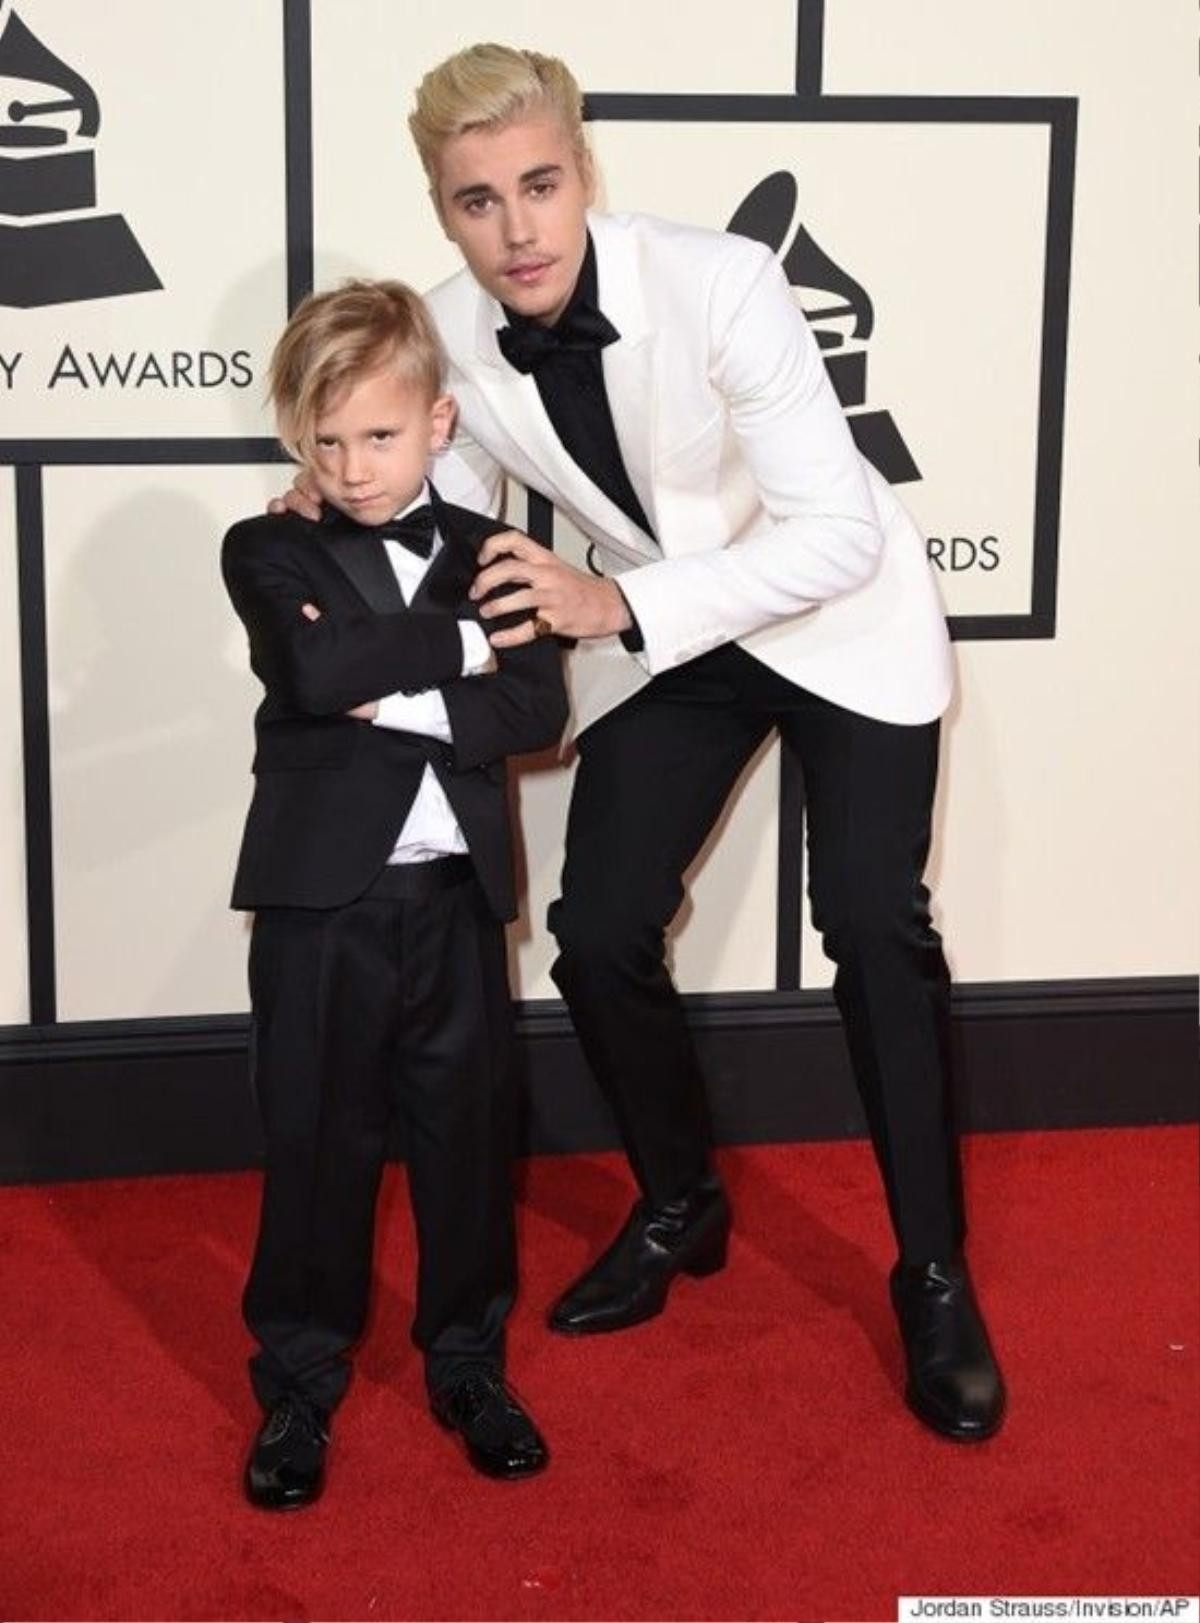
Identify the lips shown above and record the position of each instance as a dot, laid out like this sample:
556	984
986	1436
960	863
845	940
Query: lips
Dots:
528	271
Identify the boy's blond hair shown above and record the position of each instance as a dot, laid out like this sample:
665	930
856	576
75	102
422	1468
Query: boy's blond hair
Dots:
487	86
335	338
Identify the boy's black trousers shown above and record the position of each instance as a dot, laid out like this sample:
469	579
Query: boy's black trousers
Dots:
396	1002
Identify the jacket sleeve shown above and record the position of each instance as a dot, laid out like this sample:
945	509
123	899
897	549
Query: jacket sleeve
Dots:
519	707
824	536
327	666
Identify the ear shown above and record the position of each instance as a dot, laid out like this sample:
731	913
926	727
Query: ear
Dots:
442	414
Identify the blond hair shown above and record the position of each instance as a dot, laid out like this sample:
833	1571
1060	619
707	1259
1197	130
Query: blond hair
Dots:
486	86
335	338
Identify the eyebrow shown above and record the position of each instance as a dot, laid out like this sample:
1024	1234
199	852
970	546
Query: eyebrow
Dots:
481	188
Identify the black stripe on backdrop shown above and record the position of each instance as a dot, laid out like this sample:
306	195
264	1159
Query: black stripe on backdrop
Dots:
297	79
35	743
810	46
789	871
1060	209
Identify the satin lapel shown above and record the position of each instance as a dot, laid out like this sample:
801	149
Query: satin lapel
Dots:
629	367
444	584
514	399
365	561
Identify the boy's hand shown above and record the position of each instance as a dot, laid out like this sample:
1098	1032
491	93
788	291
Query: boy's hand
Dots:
361	712
303	498
563	599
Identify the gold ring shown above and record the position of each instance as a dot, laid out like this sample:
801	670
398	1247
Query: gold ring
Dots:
541	626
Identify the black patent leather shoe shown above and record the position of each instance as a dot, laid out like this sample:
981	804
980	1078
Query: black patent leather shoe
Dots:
630	1281
954	1383
501	1439
286	1468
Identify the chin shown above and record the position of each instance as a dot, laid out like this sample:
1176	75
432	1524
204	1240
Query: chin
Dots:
536	303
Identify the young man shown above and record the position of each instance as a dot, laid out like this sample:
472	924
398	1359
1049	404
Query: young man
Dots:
659	384
377	858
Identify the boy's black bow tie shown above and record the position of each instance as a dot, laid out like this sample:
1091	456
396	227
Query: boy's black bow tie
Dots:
527	344
415	530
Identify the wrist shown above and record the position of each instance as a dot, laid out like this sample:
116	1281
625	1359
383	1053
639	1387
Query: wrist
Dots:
618	617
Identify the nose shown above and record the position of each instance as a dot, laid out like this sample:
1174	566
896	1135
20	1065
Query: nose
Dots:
354	466
518	224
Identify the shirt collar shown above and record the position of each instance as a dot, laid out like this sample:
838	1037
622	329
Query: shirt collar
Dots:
421	499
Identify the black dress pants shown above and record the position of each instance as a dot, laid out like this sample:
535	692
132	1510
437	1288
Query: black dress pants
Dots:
391	1003
652	779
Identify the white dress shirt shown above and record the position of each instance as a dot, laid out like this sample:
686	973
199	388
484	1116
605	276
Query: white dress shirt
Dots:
431	829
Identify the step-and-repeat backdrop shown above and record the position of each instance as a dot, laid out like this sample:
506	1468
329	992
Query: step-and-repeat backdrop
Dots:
981	211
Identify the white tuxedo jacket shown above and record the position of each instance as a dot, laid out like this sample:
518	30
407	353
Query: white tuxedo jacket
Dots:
772	529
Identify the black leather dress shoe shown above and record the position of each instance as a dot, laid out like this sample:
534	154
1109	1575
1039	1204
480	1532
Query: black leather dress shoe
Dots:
630	1281
286	1468
501	1439
954	1382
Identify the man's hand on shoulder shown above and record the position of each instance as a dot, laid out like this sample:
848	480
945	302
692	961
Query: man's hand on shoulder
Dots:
560	598
303	499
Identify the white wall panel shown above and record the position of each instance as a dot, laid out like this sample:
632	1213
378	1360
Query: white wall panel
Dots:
151	743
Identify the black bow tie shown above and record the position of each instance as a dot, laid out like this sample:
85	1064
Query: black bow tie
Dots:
526	344
415	531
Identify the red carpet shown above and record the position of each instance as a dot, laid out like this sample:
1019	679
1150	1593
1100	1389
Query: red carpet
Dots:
745	1456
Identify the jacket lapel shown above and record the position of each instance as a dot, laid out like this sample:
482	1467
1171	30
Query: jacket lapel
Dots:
444	584
629	366
364	560
628	375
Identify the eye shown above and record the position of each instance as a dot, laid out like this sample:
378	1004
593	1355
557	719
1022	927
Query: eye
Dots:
542	188
381	436
476	205
325	441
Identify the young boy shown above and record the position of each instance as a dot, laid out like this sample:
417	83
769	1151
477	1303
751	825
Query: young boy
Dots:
377	859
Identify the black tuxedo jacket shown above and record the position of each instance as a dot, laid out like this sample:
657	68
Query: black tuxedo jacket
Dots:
332	792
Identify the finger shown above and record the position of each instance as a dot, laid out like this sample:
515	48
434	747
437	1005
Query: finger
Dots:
514	636
310	611
512	603
510	569
298	501
515	542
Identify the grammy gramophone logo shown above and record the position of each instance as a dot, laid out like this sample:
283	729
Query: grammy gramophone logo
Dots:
840	312
55	244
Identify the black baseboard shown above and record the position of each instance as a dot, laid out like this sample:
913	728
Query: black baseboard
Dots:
117	1098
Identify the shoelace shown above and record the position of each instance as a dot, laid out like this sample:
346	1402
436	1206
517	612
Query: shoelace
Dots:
292	1409
477	1389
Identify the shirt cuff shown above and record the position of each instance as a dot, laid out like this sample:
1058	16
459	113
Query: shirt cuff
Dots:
423	712
478	652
